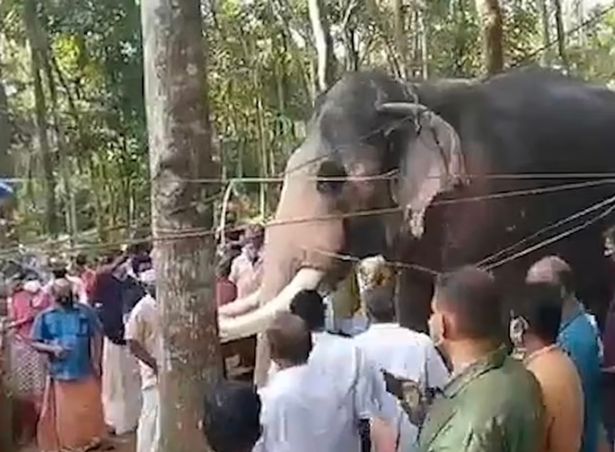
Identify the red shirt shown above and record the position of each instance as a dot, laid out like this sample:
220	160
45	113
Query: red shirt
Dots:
26	306
89	279
226	291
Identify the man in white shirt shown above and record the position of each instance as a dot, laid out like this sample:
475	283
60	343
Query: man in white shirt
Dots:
143	338
336	359
303	410
404	353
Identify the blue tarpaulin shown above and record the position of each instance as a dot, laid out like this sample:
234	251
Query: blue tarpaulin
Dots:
6	191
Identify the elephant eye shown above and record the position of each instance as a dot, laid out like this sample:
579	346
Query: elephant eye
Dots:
330	178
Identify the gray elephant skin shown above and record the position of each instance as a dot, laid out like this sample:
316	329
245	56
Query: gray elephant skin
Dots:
409	171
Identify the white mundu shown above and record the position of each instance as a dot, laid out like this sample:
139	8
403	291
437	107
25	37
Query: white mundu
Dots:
405	354
317	406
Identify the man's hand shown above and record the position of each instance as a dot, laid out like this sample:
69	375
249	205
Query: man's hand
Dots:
59	352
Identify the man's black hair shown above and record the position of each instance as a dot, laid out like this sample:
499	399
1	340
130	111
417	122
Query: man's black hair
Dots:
472	296
380	303
540	304
59	272
308	305
139	260
81	259
231	419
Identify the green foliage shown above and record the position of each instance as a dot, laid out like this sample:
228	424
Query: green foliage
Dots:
261	66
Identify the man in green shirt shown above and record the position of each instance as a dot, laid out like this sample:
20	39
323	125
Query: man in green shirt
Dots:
492	403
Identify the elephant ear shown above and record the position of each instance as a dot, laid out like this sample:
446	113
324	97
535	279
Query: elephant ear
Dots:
431	160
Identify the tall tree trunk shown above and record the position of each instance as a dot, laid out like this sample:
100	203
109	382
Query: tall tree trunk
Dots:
6	169
6	164
543	7
561	35
423	40
492	32
180	149
401	39
349	34
323	43
40	108
61	145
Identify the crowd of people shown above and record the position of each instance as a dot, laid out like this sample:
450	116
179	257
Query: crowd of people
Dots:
464	387
76	344
86	346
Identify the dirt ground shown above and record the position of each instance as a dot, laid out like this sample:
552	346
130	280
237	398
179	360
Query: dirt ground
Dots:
124	443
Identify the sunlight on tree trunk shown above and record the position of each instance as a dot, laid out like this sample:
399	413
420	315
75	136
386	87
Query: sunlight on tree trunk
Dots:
401	37
349	35
492	32
180	150
561	35
323	43
34	39
543	9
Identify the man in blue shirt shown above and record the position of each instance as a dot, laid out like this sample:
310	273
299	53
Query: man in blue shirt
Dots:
68	333
579	338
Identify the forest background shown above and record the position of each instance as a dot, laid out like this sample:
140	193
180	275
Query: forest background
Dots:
73	138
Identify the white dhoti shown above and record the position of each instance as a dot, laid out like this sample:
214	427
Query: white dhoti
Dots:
121	388
148	433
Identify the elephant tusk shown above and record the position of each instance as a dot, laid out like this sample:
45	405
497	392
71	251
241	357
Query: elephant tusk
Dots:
258	320
240	306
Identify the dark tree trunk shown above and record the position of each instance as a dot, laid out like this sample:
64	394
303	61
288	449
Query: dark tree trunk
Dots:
492	31
546	33
561	35
180	149
40	109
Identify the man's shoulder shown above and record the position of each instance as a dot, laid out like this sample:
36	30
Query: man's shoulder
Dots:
48	313
493	389
85	309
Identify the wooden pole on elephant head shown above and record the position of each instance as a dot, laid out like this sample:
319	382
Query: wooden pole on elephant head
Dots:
180	151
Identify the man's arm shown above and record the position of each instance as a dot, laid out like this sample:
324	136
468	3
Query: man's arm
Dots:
134	337
17	323
96	346
142	355
110	268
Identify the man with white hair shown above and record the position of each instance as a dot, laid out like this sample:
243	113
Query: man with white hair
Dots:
143	338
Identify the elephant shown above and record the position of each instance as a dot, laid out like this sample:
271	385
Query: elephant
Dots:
433	175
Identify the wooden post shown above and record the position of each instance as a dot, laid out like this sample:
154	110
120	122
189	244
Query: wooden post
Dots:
180	151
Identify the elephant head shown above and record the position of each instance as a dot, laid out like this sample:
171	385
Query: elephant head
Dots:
373	161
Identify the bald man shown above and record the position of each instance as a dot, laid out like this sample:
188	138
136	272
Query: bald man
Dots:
303	410
72	416
579	338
